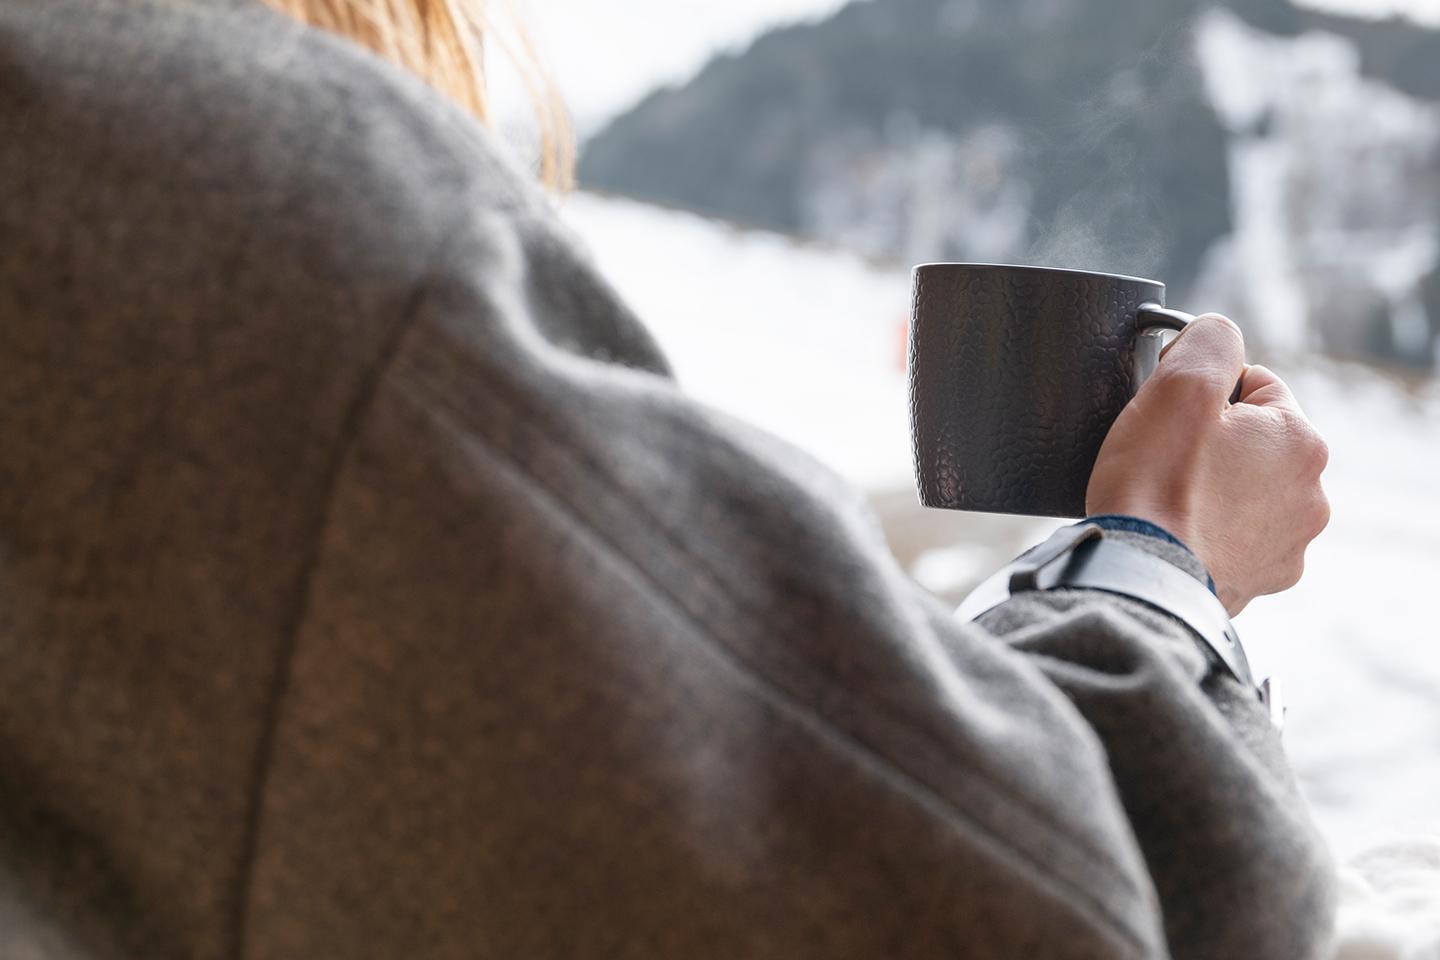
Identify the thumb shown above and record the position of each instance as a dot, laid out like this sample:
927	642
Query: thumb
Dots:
1210	351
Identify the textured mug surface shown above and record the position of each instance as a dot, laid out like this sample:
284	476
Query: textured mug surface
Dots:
1016	375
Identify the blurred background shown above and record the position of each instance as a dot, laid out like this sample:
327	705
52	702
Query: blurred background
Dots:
757	177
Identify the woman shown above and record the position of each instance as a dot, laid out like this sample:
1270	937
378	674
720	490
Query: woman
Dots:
370	588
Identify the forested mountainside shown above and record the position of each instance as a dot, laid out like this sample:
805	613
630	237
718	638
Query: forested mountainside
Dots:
1270	160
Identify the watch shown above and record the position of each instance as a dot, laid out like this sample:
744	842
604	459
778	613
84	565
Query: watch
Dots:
1082	557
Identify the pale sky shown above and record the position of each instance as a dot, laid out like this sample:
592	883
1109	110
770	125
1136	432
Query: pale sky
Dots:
607	55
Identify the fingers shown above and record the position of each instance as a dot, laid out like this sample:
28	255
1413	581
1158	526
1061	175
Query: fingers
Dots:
1258	378
1209	353
1264	389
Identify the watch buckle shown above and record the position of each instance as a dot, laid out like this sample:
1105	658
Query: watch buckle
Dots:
1274	701
1025	572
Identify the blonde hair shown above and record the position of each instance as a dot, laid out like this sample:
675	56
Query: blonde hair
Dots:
442	41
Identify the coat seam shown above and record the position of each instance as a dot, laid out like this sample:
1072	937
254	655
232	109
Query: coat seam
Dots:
279	684
906	783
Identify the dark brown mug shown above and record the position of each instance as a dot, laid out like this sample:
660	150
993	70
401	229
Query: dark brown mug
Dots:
1017	374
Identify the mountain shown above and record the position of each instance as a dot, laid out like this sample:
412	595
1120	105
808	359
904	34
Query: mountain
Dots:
1396	51
1150	138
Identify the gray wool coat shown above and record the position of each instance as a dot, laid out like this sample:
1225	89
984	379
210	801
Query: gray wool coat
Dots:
368	588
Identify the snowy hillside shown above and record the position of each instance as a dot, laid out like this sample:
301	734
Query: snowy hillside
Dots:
1335	182
808	342
1274	161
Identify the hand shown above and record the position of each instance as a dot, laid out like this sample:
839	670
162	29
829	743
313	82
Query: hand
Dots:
1238	484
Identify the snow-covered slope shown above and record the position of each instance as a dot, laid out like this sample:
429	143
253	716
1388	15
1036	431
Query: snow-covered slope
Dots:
1335	182
1421	11
808	343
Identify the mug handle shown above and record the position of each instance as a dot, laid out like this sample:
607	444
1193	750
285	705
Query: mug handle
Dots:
1156	328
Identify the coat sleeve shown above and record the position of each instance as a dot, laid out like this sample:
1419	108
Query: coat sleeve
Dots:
589	669
1238	865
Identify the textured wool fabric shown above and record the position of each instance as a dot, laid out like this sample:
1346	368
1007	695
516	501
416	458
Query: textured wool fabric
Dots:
368	587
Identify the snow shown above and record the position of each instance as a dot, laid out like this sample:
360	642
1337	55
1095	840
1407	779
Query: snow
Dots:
1421	11
808	342
1358	639
923	191
1335	189
1390	904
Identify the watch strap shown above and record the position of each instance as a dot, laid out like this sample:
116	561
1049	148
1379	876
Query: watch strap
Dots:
1081	557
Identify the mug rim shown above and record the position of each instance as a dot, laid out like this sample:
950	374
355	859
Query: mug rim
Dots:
1030	266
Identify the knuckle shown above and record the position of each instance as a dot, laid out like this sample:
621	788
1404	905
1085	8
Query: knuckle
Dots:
1319	514
1293	423
1294	570
1287	572
1307	439
1319	452
1185	384
1312	450
1220	318
1223	328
